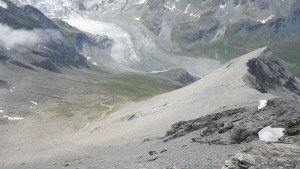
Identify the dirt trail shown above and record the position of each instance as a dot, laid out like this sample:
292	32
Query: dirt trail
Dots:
110	108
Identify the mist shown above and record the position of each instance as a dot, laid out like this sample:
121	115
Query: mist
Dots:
3	4
10	38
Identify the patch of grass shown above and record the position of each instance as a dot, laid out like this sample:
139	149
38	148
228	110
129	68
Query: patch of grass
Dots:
295	70
116	108
189	32
98	68
69	110
132	91
289	51
137	87
221	51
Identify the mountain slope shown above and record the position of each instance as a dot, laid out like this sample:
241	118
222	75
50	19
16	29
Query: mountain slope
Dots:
88	116
219	29
135	134
219	91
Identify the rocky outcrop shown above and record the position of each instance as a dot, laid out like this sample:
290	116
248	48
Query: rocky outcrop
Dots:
276	155
4	84
240	125
179	75
267	75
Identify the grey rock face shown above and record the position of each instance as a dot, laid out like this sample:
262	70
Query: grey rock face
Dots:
239	125
269	76
179	75
266	156
4	84
102	42
241	160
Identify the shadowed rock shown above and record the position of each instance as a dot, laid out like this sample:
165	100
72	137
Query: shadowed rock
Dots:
267	75
4	84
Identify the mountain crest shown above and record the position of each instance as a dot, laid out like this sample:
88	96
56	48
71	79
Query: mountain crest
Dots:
267	75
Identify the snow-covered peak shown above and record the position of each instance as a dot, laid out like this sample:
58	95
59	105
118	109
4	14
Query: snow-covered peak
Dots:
226	10
68	8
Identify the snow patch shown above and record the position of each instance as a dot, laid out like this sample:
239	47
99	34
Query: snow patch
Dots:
270	134
187	8
222	6
195	15
265	20
171	8
1	111
13	118
137	18
237	6
219	34
158	71
141	2
12	89
33	102
262	104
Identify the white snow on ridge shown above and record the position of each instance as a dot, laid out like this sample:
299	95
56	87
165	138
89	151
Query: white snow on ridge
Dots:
122	51
1	111
137	18
262	104
222	6
237	6
158	71
140	2
265	20
171	8
3	4
12	89
13	118
187	8
270	134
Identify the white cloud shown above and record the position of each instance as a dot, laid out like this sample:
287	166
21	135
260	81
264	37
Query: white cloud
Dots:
10	38
3	4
